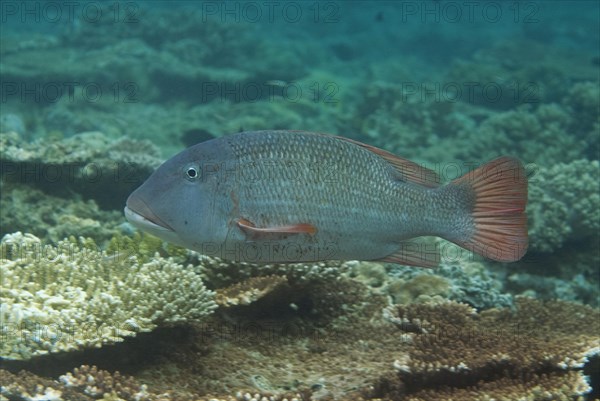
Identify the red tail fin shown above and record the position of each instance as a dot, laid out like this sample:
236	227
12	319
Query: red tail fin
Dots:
500	195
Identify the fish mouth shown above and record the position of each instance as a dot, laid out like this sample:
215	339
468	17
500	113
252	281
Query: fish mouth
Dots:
138	213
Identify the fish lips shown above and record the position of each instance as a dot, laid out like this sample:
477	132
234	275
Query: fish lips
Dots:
138	213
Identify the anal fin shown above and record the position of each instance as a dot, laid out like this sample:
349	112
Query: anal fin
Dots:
414	253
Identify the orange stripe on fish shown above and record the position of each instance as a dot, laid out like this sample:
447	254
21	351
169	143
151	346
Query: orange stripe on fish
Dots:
302	228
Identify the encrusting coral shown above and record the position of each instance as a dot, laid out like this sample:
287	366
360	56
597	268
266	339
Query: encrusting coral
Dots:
459	277
72	296
564	204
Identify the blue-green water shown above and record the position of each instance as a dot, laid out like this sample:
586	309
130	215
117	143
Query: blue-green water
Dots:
95	95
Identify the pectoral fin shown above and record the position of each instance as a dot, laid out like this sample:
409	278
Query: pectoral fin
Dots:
301	228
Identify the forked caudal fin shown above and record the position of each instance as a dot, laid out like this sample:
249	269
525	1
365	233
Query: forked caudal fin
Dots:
499	191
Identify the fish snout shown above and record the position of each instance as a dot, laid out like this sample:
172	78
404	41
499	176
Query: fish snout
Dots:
139	213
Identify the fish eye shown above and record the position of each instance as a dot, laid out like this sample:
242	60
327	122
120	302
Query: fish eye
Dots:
191	173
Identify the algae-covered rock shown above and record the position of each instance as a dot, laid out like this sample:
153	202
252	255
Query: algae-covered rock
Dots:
73	296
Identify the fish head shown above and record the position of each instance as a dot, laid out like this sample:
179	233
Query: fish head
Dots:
176	203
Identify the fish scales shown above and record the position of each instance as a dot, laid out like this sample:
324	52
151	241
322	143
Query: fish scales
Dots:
288	196
342	189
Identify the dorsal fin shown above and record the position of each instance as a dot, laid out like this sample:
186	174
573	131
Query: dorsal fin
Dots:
408	170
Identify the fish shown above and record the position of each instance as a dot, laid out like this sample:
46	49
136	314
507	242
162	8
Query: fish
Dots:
284	196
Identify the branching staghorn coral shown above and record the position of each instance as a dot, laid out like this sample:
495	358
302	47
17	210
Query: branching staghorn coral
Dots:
72	296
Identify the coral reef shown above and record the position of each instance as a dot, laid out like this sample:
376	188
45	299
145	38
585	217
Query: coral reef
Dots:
583	102
496	353
571	286
145	247
564	204
459	278
89	164
529	72
443	351
26	386
541	134
99	383
415	128
570	273
433	131
91	108
10	122
85	383
441	336
124	86
317	340
548	386
164	46
372	274
218	273
420	288
72	296
309	103
425	122
53	218
475	283
248	291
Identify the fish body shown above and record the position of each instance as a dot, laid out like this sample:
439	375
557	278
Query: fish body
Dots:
291	196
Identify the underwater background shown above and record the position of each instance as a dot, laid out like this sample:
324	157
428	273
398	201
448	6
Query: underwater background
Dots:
96	95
